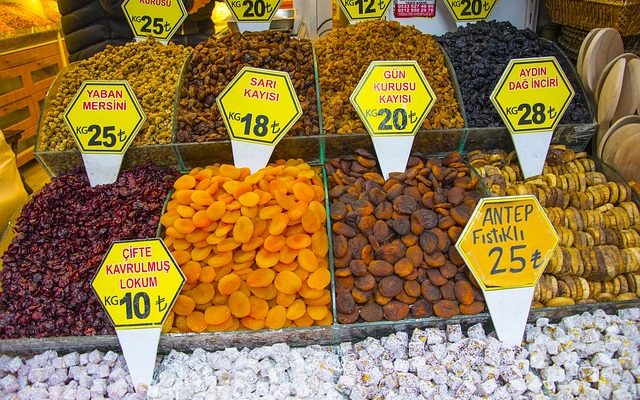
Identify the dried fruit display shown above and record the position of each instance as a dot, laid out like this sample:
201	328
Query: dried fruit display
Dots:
480	53
253	248
393	240
217	61
598	223
345	54
61	238
152	69
16	17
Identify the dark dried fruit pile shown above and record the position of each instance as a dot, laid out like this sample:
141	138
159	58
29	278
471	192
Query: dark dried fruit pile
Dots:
217	61
61	238
480	53
393	240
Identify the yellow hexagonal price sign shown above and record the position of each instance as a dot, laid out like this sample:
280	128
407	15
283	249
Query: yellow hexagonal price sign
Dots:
253	10
259	106
160	19
470	10
104	117
137	283
393	98
362	10
532	95
507	242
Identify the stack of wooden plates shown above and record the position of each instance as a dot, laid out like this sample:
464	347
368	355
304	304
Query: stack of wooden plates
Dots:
613	78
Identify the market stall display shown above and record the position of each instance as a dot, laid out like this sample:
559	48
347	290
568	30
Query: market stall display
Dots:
216	62
480	53
393	240
253	248
596	219
345	54
61	236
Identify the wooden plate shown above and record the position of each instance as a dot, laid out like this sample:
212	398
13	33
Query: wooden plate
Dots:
630	92
602	139
583	52
605	46
627	56
610	94
626	161
615	140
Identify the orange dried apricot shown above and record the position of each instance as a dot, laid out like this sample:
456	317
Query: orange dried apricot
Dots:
304	321
253	244
222	272
259	227
229	284
303	192
249	199
216	315
214	239
327	320
260	278
255	177
241	256
168	218
207	274
181	256
288	282
266	259
228	244
184	305
285	299
288	255
196	322
201	198
308	260
299	241
298	210
191	271
220	259
200	254
320	244
219	299
311	222
269	212
274	243
319	210
239	304
268	292
259	308
250	212
184	225
168	322
200	219
183	197
317	313
173	232
278	224
252	323
276	317
319	279
284	201
203	293
181	244
323	300
230	171
243	230
223	229
302	274
216	210
225	326
196	236
308	293
279	267
230	217
184	182
180	322
296	310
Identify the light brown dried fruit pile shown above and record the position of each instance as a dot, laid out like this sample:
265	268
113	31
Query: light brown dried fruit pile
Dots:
598	223
393	240
345	54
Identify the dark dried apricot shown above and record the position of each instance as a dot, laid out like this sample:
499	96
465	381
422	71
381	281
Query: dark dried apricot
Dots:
455	257
448	290
390	286
446	309
395	311
361	296
380	268
436	277
428	242
412	288
345	303
448	270
474	308
372	312
381	231
365	282
348	318
405	204
344	284
464	292
455	196
391	252
340	246
401	225
430	292
358	267
461	214
403	267
435	259
384	210
340	228
421	309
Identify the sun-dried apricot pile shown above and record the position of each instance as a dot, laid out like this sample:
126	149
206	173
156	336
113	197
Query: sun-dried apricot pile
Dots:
253	248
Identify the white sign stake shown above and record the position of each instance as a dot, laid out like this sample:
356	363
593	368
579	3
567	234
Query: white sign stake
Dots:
140	348
252	155
253	26
532	151
509	309
393	153
102	169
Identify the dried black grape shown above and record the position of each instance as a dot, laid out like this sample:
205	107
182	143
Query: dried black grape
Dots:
480	53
